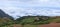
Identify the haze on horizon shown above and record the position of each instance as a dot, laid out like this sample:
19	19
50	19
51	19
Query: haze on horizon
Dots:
31	7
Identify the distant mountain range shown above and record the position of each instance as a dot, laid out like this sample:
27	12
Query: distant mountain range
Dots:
4	15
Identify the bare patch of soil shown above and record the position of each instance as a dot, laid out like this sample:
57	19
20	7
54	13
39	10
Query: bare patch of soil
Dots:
50	25
17	25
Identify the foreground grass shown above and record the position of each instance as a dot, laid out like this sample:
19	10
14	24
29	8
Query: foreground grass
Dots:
18	25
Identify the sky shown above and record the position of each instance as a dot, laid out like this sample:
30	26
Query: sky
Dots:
17	8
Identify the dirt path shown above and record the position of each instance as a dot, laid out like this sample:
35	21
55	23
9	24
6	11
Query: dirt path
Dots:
44	25
50	25
17	25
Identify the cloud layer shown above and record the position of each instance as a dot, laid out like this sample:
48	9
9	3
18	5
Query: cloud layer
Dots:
31	7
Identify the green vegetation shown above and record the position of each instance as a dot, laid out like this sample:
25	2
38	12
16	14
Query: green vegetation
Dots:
28	21
34	20
5	22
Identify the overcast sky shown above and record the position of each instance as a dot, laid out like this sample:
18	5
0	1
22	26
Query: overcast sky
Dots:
31	7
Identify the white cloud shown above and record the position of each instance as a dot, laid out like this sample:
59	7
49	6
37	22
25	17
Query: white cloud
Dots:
31	7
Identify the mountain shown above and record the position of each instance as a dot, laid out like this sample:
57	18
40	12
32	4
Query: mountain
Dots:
4	15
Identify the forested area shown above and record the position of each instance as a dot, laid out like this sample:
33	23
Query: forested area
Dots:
32	20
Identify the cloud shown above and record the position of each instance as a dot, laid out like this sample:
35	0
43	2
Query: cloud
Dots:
31	7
